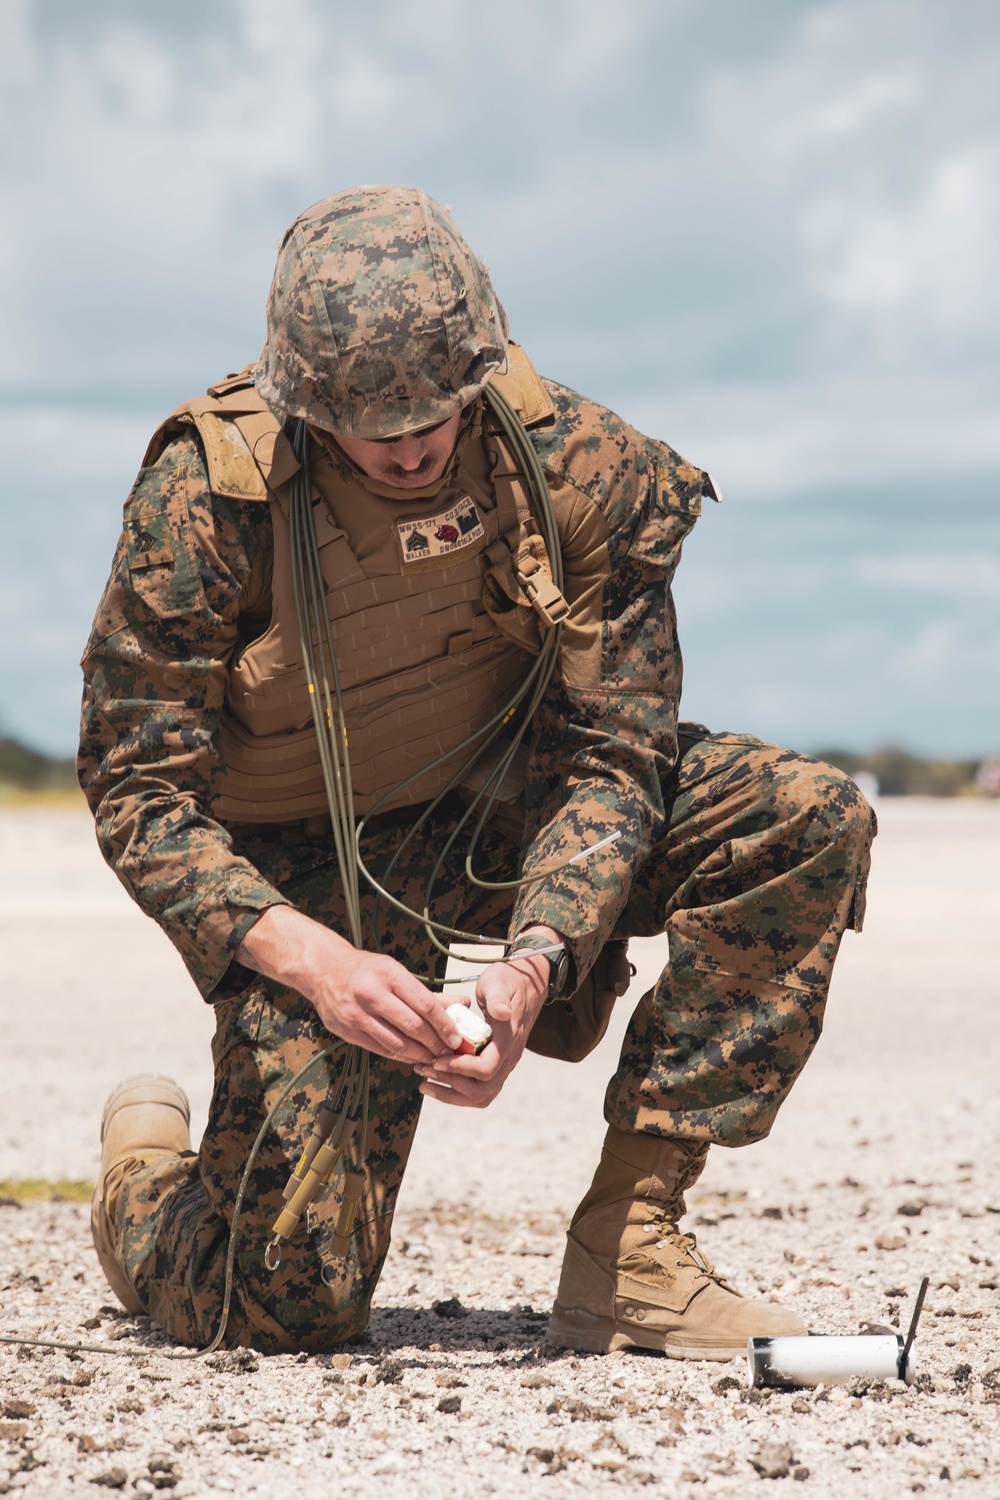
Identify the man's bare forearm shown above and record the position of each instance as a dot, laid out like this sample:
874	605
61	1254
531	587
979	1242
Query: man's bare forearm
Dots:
286	945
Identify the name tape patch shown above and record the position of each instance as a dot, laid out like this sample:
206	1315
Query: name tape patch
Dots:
435	536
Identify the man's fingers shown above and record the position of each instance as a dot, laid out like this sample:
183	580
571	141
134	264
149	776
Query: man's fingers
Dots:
375	1036
403	1018
429	1006
477	1069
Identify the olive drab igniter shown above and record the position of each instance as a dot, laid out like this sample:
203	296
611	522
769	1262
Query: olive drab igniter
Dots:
341	1122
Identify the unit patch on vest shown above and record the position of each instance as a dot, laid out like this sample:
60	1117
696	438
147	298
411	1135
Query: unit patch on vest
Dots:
433	537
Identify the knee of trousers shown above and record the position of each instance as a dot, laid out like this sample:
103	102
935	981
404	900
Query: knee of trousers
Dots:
307	1304
829	802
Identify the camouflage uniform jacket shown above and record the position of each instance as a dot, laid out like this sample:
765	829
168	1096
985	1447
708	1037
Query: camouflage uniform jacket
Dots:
181	597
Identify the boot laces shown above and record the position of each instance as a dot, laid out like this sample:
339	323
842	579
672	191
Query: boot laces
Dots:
686	1242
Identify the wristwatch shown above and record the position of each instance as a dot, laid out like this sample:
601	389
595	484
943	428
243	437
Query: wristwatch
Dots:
558	960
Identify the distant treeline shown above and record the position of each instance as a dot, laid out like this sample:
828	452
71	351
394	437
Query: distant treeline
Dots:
900	774
897	772
30	771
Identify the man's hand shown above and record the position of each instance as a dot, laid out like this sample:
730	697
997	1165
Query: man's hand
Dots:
368	999
511	994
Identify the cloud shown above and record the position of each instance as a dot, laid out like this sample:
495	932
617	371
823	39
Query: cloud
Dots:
765	233
960	576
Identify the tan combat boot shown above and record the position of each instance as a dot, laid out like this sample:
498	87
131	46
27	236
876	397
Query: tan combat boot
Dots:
630	1278
144	1118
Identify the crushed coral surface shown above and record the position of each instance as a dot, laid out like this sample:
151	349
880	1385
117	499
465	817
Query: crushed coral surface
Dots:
884	1167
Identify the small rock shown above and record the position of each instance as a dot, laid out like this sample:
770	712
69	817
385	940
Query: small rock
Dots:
389	1463
450	1308
112	1479
772	1213
774	1461
11	1430
726	1383
342	1361
891	1242
238	1435
536	1380
450	1405
912	1209
19	1408
94	1322
447	1380
800	1472
235	1361
390	1372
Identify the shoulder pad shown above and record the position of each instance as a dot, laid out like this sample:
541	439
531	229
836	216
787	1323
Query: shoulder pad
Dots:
244	445
523	388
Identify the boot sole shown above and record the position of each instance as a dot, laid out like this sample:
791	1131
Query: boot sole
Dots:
572	1328
154	1088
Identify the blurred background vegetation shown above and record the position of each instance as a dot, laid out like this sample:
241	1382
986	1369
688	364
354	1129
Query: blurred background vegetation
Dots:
25	772
897	773
28	773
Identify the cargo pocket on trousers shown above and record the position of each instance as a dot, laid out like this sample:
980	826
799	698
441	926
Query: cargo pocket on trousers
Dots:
237	1020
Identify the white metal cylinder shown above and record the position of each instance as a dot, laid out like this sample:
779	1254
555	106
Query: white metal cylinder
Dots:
816	1359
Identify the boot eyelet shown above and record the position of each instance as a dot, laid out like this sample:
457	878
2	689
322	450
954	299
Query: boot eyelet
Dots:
630	1312
641	1315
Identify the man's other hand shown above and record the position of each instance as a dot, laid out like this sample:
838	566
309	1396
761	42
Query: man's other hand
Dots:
367	999
511	994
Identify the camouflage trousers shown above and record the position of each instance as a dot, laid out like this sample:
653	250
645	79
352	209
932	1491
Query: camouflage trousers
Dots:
760	868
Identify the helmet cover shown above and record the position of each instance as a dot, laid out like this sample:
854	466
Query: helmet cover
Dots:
380	319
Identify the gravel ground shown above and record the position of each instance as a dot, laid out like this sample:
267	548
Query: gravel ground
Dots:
883	1168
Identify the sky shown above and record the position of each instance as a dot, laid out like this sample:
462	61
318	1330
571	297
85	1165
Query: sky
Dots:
765	233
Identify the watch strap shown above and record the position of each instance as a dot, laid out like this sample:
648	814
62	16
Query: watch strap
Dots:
556	953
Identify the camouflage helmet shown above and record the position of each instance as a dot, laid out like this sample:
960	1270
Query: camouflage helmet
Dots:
380	319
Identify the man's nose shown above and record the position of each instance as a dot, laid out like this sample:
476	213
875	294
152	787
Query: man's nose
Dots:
409	451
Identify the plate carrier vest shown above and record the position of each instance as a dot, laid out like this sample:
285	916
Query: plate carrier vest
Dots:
427	648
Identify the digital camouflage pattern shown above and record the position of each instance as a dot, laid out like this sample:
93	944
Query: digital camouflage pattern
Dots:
380	319
190	581
760	865
751	858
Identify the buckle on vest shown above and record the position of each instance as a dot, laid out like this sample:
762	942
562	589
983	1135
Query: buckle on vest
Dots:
546	598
